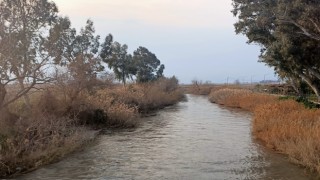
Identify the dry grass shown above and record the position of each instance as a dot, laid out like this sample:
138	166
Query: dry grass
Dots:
285	126
290	128
240	98
203	89
226	96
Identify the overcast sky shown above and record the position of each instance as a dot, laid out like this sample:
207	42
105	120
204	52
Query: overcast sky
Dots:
195	39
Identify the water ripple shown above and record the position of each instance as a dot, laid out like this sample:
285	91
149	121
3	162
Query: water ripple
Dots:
192	140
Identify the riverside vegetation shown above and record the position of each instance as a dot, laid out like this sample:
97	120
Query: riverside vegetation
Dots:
57	124
51	90
283	124
288	33
54	90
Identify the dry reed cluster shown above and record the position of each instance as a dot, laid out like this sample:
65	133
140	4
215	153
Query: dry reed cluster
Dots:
240	98
284	125
202	89
292	129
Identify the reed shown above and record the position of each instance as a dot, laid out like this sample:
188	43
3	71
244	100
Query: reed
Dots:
283	125
240	98
289	127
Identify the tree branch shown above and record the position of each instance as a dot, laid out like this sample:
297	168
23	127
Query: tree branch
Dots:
303	29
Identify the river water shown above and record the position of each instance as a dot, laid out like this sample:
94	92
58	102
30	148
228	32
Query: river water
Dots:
191	140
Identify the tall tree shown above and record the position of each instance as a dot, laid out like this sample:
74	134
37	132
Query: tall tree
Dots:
305	15
24	26
80	53
118	59
148	65
85	62
285	44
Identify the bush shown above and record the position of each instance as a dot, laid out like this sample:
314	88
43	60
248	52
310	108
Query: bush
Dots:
93	117
117	113
308	104
148	96
38	140
303	100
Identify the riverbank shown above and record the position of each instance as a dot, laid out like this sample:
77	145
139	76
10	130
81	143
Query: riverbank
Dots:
62	120
194	139
281	123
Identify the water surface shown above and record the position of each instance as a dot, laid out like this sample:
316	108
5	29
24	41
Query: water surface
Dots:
192	140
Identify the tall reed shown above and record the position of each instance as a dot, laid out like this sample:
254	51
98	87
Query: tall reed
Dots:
283	125
289	127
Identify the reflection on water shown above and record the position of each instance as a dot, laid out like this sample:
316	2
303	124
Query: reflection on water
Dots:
192	140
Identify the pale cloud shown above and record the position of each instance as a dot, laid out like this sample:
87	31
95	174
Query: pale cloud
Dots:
168	13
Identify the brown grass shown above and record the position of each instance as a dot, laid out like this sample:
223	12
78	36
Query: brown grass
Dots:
285	126
290	128
202	89
198	88
240	98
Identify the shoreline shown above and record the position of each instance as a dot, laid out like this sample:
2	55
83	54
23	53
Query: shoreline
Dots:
56	127
93	135
280	124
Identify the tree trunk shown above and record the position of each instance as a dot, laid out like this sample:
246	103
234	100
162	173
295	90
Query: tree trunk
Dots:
313	86
295	86
314	72
123	79
3	93
25	95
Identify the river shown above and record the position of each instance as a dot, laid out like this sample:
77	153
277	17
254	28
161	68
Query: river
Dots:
191	140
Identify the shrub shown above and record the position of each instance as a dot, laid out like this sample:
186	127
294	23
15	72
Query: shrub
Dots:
303	100
38	140
93	117
148	96
118	114
122	115
307	103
